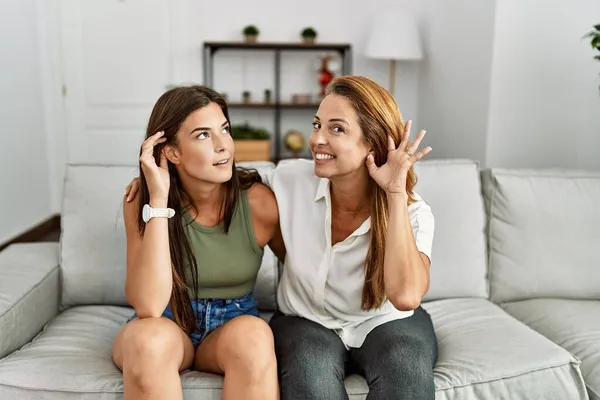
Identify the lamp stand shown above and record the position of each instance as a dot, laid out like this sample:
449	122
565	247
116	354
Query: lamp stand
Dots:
392	76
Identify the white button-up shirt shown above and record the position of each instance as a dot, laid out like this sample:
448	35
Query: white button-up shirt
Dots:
321	282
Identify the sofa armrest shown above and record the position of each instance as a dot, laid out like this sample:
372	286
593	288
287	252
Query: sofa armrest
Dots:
29	292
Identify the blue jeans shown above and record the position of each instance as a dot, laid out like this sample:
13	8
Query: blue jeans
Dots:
212	313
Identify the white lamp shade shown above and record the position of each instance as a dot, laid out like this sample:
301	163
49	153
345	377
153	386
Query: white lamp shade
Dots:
394	36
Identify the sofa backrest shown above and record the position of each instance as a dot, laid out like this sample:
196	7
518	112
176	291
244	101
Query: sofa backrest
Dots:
93	242
458	265
543	233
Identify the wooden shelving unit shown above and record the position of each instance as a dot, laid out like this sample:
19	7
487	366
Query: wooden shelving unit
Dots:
210	48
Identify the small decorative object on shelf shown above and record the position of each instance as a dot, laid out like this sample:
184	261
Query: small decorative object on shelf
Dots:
267	96
251	144
250	33
325	75
309	35
246	96
301	98
294	141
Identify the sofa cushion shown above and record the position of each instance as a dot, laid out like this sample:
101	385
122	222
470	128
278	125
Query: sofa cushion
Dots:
458	262
543	234
93	243
483	353
573	325
71	359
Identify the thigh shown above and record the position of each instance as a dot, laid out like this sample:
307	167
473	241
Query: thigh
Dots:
399	356
240	339
311	359
153	330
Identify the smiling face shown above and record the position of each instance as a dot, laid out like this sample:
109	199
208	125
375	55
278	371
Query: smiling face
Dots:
337	142
204	147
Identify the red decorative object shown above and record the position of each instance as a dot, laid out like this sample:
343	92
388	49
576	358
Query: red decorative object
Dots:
325	75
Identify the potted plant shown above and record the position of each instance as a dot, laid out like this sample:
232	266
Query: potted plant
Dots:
250	33
594	37
246	96
308	35
251	143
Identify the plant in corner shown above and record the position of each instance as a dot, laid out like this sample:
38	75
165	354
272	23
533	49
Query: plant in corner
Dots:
594	37
250	33
308	35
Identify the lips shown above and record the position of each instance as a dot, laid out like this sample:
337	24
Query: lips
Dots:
222	162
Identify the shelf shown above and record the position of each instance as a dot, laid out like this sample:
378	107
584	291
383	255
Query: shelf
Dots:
298	106
214	46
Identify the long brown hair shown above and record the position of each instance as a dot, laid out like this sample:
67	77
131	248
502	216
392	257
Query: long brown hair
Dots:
378	116
169	112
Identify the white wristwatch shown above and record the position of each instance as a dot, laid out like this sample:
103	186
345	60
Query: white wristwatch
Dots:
148	213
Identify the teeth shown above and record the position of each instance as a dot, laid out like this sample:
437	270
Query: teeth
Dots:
222	162
323	156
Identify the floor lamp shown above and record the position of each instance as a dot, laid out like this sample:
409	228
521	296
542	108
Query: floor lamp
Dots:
394	36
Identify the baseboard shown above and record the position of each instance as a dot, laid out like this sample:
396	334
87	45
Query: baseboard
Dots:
37	233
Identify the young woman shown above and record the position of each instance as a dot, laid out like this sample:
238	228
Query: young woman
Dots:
191	269
358	241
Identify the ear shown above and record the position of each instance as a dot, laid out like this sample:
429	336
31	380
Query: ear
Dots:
172	154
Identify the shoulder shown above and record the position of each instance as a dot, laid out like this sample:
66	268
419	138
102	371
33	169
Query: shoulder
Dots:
263	205
419	207
291	174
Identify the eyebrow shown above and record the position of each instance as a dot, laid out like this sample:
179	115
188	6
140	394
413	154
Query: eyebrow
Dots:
205	128
335	120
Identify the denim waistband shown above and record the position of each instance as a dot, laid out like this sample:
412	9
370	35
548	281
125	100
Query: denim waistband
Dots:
218	302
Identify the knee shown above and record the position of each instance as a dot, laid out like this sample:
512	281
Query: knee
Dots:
149	343
248	346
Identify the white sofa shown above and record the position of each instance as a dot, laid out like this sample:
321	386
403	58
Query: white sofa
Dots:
514	298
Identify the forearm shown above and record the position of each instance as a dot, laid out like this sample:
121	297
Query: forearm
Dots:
149	278
406	276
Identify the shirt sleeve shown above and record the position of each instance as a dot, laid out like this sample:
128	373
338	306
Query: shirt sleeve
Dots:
423	225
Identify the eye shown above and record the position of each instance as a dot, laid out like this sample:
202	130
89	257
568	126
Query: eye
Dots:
226	130
316	126
202	136
337	129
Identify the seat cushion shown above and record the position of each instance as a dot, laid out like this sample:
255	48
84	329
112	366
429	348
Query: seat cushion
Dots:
573	325
484	353
71	359
543	234
92	222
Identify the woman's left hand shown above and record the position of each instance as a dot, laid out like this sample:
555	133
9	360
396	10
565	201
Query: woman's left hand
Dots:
391	176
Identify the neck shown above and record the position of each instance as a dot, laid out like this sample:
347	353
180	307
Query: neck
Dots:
205	196
351	193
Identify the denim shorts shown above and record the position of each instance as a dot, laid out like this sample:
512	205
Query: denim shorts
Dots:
212	313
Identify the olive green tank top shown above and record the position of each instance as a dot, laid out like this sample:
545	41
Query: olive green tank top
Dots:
227	264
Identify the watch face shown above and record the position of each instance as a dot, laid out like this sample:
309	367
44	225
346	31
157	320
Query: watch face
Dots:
146	213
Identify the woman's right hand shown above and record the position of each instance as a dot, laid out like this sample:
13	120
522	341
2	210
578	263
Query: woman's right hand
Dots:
157	175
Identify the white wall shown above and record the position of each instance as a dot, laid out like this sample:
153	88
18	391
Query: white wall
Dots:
454	86
24	180
545	102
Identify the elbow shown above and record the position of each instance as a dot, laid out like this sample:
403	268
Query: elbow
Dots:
405	302
145	308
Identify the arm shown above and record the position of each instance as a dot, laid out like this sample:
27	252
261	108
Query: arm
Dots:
149	280
265	219
406	269
149	277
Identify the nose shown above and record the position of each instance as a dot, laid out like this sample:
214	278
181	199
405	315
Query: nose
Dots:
318	137
219	144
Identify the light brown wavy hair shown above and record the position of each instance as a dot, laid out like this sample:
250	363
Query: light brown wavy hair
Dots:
378	116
